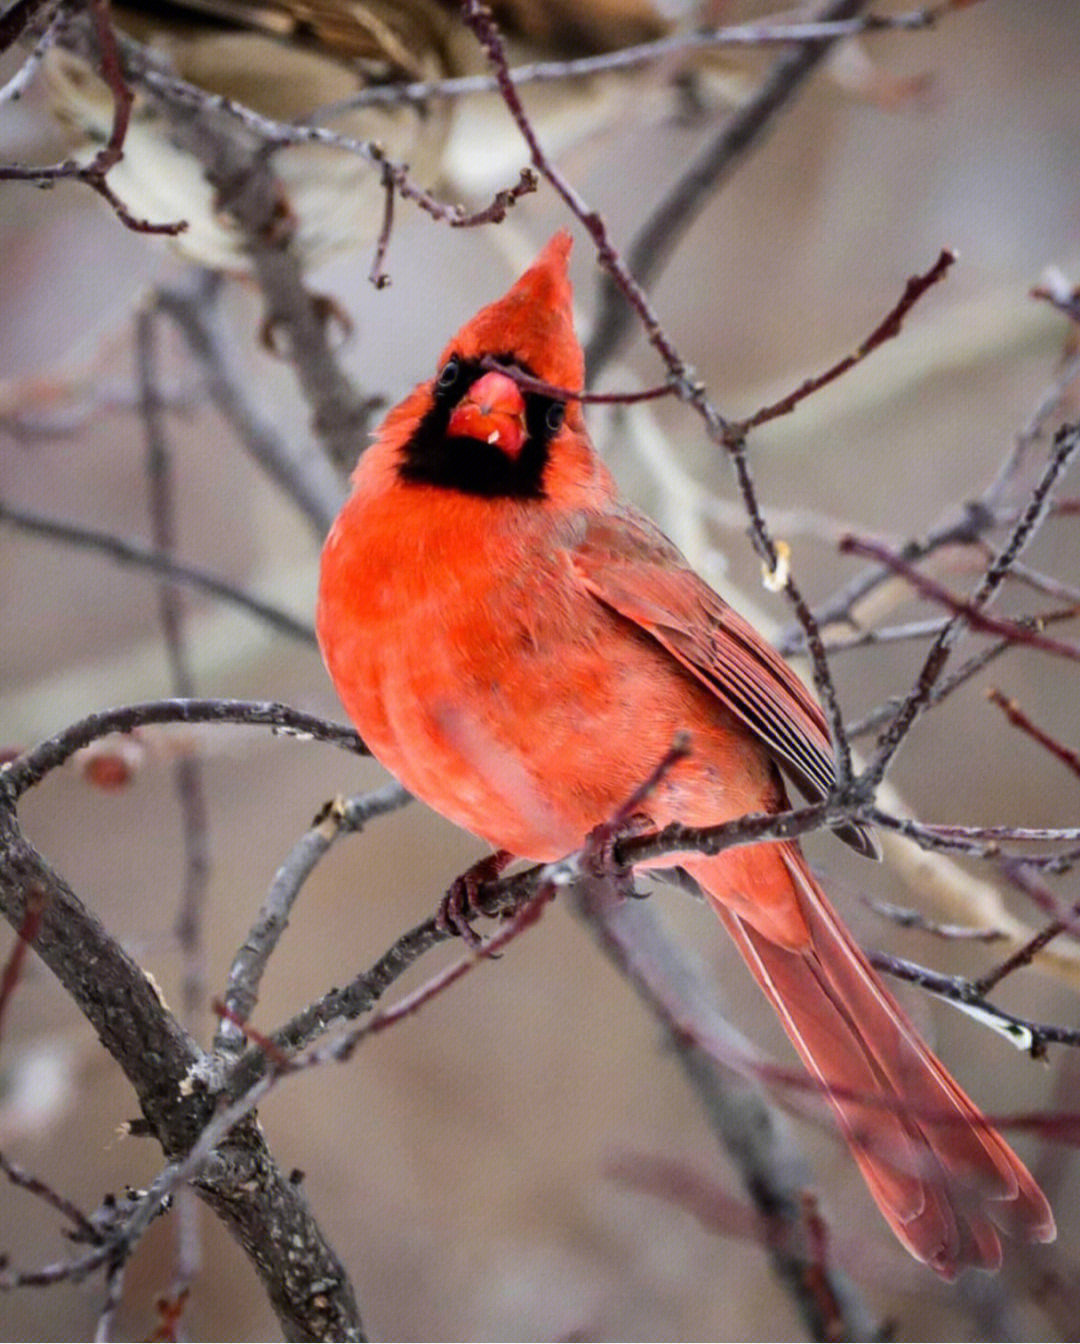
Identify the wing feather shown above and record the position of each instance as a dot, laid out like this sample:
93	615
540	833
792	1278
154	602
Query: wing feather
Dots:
626	563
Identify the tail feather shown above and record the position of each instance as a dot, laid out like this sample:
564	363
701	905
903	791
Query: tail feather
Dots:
942	1176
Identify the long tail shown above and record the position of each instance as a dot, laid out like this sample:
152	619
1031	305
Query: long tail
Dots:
945	1180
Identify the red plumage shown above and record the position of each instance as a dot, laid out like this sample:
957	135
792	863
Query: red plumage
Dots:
520	646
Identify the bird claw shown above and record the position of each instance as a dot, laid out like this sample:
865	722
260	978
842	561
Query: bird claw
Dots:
604	840
458	908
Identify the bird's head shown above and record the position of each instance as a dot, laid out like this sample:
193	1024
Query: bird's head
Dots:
476	429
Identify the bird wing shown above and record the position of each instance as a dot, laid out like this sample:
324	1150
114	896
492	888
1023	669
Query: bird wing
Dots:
628	564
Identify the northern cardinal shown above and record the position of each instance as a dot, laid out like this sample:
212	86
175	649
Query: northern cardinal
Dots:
521	647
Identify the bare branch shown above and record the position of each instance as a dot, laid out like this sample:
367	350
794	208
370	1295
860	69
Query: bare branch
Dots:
81	1226
1016	716
1066	442
306	475
29	768
1032	1037
907	918
264	1211
95	173
782	31
341	817
966	610
888	328
124	552
660	235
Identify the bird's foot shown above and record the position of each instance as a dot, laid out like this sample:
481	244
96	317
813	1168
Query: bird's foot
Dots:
603	842
459	906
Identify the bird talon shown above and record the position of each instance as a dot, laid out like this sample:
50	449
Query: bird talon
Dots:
459	907
604	840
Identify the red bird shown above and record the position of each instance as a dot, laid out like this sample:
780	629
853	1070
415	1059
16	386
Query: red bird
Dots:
521	647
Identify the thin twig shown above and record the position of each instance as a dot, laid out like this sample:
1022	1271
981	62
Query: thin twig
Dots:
888	328
83	1228
1030	1036
973	520
970	668
659	236
30	767
95	173
1066	442
781	31
907	918
523	918
341	817
125	552
1016	716
114	1294
966	610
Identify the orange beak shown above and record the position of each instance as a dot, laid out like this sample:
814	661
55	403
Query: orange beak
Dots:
493	410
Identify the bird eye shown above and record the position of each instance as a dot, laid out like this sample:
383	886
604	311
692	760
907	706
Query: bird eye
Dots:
448	374
554	416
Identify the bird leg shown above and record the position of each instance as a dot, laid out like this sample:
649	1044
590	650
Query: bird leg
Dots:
459	906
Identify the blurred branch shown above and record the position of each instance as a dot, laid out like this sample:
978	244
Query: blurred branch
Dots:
772	1170
133	553
1016	716
906	918
21	80
781	31
190	921
663	230
18	18
305	475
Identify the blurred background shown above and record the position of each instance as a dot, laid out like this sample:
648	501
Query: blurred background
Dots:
459	1162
